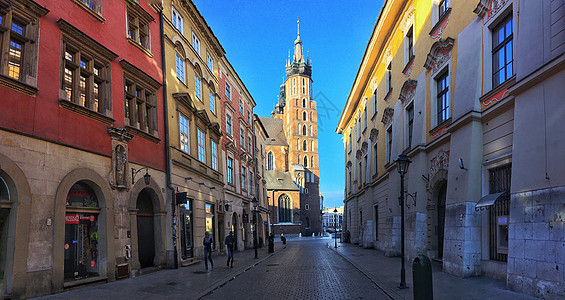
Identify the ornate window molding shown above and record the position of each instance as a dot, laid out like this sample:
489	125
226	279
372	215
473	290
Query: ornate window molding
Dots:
407	91
388	115
440	53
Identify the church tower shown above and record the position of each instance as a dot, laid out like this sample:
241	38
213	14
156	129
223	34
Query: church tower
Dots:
297	109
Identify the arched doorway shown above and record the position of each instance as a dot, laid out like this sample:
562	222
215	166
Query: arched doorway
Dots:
440	200
81	233
234	228
145	230
5	208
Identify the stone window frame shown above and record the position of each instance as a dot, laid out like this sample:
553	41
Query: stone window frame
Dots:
28	13
138	29
94	8
139	81
243	178
229	124
201	142
230	169
90	60
214	153
195	42
180	63
270	161
442	109
409	113
177	19
502	25
210	61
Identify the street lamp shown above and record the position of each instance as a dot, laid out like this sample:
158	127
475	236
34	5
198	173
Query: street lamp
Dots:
402	163
335	226
255	202
146	177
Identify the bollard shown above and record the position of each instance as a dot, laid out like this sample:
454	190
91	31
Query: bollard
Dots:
422	278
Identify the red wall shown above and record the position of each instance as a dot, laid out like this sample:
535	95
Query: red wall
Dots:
42	117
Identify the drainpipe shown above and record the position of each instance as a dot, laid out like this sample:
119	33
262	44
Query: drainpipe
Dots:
167	148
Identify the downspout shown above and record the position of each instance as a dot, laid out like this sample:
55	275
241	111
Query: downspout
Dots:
167	148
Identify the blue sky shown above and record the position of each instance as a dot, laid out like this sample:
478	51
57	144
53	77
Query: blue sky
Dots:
257	36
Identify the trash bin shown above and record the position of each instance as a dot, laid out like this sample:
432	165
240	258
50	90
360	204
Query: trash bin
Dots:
422	278
271	243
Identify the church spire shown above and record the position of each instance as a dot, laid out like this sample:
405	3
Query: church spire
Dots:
298	56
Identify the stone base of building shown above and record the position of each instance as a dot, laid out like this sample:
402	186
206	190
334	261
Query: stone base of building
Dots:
290	229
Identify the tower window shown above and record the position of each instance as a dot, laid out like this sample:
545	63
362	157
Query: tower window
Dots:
304	116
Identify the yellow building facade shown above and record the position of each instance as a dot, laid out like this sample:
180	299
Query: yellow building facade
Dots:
438	82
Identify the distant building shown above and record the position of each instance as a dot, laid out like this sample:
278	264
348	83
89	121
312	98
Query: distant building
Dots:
293	176
332	220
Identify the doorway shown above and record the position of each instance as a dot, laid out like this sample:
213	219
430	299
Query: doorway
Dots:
145	229
186	230
234	229
442	192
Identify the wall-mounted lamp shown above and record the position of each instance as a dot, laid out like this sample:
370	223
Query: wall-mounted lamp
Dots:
146	177
461	165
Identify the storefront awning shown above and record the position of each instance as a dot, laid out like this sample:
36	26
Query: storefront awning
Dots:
488	200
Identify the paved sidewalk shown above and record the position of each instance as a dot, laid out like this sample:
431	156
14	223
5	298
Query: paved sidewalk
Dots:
385	272
191	282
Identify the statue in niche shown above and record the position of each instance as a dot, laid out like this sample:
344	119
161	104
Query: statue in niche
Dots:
121	159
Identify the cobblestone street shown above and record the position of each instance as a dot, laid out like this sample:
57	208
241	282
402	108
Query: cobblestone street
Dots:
307	269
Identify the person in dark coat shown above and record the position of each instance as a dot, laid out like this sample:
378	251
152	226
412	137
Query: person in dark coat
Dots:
230	244
208	250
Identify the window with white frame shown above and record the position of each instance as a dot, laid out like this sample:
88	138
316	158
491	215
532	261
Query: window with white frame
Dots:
201	145
311	132
388	78
180	65
230	170
197	83
410	124
502	51
214	150
229	125
184	128
195	42
312	145
210	61
389	144
228	91
243	180
241	107
311	161
374	101
442	96
177	20
212	102
241	138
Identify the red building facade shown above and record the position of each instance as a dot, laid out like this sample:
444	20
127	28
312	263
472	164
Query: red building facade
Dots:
82	114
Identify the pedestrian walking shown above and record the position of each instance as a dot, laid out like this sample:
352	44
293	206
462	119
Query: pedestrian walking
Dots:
208	250
230	243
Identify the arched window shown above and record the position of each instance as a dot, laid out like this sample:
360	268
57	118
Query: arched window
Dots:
270	161
304	102
284	209
297	144
304	116
298	158
304	146
311	131
311	119
306	161
311	161
311	145
303	129
197	82
298	128
180	66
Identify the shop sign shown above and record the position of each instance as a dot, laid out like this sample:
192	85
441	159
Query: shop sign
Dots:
87	218
71	219
92	263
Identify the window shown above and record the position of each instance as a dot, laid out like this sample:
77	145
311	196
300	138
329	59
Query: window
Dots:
19	29
499	182
304	116
297	144
285	209
388	78
311	134
270	161
85	77
249	117
140	100
366	165
311	161
388	144
241	138
443	97
93	7
349	143
360	178
230	170
250	181
228	125
184	128
228	91
502	52
349	173
241	107
312	146
299	161
201	145
442	7
304	102
374	101
304	146
214	147
210	61
249	144
212	102
243	181
375	159
195	43
138	26
177	20
197	82
410	114
409	44
365	118
303	87
180	65
307	207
